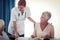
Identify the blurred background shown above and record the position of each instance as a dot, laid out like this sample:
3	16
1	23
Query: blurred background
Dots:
39	6
36	8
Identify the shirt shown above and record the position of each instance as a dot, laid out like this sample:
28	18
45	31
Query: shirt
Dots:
49	30
16	16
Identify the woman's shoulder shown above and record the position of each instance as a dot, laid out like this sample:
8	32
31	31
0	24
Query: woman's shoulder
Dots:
50	25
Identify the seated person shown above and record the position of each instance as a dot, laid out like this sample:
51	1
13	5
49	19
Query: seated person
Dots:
44	29
3	35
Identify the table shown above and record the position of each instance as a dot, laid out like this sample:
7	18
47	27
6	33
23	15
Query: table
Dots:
23	38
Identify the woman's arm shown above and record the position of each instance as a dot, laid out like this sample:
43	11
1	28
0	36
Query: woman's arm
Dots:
31	20
13	19
28	15
14	23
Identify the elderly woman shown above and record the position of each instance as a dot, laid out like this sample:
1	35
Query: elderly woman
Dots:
44	29
3	35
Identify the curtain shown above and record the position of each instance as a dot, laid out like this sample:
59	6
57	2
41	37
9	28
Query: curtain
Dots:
5	11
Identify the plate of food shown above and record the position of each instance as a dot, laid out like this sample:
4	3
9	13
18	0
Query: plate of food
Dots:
37	38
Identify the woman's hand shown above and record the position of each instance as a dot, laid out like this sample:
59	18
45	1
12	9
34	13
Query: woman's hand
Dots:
31	20
16	35
33	36
47	36
12	36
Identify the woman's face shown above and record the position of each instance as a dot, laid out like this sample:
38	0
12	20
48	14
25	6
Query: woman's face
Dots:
43	20
21	8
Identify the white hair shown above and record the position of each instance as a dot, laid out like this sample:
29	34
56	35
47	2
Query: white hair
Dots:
1	23
46	15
